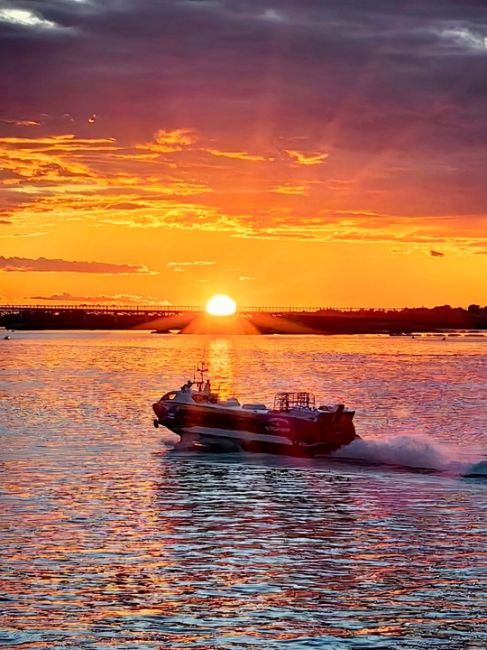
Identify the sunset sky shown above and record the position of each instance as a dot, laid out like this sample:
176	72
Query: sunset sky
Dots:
287	152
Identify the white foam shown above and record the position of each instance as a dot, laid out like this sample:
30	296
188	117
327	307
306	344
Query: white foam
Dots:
408	450
478	470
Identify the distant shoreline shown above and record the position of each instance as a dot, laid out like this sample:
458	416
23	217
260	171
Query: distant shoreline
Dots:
404	322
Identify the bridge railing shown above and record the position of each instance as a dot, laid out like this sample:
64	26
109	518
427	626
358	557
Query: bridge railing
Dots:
100	307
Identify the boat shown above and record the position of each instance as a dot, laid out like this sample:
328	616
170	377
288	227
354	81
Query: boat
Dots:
293	426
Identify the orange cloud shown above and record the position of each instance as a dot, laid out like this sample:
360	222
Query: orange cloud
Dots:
237	155
299	190
55	140
302	158
53	159
68	166
170	141
96	180
193	263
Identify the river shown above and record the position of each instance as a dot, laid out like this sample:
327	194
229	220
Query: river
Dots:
111	539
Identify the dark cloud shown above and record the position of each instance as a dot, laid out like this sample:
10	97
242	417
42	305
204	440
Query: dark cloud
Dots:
41	264
310	58
119	298
394	92
5	222
437	254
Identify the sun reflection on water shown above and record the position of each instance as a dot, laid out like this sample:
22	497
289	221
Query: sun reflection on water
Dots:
221	366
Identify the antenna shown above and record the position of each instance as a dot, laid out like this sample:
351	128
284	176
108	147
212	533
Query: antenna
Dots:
202	369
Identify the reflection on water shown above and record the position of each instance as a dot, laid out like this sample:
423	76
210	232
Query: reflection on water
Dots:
109	540
220	362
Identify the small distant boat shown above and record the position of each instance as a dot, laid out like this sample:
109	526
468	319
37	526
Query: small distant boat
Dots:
7	337
293	426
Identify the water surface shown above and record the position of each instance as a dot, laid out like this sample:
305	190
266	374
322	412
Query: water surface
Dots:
110	540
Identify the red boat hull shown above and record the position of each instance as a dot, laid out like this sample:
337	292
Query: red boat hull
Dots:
267	432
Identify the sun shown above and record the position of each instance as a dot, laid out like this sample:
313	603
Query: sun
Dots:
221	305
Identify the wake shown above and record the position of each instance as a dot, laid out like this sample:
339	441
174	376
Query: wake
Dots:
412	452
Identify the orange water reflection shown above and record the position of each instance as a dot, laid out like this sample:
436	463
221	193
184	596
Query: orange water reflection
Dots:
108	540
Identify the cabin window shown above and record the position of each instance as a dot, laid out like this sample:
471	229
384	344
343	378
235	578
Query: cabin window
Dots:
171	395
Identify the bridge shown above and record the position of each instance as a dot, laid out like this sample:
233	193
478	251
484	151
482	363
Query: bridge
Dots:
194	319
170	310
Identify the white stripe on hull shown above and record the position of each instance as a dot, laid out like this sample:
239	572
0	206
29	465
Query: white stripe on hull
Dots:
237	434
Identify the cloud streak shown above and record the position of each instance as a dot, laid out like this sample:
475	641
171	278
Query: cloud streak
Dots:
26	123
119	299
44	265
192	263
301	158
237	155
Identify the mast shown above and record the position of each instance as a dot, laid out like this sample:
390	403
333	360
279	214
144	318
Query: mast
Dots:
202	369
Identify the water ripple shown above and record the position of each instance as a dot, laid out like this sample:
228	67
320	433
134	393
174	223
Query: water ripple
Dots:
109	540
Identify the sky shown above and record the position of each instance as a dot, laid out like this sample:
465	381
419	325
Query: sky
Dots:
287	152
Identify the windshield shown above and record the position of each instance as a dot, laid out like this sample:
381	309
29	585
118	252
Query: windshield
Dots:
170	395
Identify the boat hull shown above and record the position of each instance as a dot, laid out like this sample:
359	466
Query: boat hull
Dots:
273	432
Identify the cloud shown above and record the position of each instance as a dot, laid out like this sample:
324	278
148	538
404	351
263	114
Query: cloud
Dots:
5	222
119	298
66	164
301	158
179	267
193	263
465	37
56	159
237	155
25	18
299	190
437	254
26	123
395	95
166	141
42	264
15	235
